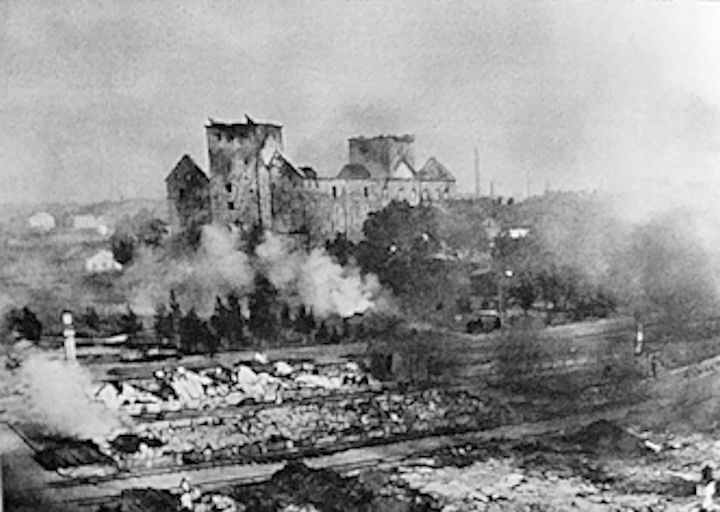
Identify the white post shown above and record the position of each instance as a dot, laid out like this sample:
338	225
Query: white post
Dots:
69	335
639	339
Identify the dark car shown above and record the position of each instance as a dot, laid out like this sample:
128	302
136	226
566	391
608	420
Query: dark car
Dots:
486	321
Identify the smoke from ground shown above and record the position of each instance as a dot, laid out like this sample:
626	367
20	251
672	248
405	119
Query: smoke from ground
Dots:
55	394
219	268
320	283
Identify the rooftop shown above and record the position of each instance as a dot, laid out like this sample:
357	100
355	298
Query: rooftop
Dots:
397	138
239	126
186	165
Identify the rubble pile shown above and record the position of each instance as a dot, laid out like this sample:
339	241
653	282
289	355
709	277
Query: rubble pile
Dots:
179	389
608	438
298	488
288	429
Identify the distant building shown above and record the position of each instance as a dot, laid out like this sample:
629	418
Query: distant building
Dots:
519	232
42	221
90	222
101	262
492	228
251	182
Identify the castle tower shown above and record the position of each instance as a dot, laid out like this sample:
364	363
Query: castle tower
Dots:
240	157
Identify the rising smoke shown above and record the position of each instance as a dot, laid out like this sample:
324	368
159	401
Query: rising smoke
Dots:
320	283
219	268
55	393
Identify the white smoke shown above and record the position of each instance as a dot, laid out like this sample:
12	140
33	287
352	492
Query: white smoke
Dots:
217	269
58	394
319	282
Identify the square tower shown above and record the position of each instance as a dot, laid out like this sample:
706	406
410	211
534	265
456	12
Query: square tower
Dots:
240	157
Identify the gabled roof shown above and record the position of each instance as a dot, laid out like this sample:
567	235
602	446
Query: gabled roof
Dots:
409	166
286	167
187	166
309	173
434	171
354	172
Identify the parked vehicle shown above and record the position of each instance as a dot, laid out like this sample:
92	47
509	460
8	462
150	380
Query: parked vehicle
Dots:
485	321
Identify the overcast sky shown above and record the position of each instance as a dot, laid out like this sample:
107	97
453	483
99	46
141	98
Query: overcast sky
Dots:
99	99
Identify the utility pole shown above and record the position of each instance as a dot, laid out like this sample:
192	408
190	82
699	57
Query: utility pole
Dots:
477	173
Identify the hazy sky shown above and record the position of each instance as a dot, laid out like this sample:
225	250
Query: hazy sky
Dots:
99	99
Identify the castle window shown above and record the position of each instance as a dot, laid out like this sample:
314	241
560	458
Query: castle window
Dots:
228	187
367	192
334	192
231	205
182	194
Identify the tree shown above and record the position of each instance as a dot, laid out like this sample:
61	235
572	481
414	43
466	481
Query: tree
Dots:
263	302
525	291
235	321
175	316
162	324
399	241
322	334
191	332
25	323
285	317
340	248
91	319
151	232
130	323
123	247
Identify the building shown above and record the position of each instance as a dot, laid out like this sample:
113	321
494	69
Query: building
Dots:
42	221
102	261
90	222
188	192
251	182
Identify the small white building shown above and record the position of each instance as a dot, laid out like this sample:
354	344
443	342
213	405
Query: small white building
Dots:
518	232
90	222
42	221
101	262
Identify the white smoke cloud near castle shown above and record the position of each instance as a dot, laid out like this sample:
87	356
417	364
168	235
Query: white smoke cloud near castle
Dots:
320	283
219	268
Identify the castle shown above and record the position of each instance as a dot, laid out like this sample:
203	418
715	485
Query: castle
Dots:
252	183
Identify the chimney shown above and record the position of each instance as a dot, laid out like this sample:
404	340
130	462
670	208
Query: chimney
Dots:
69	335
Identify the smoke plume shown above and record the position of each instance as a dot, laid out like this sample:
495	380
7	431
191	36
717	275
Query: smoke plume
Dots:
217	268
320	283
55	393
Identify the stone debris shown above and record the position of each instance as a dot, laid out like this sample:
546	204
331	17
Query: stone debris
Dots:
306	428
180	388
